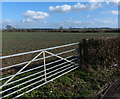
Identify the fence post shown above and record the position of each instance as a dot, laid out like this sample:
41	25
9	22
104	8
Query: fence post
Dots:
44	65
80	57
85	50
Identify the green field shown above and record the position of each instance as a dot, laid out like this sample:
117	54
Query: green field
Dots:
78	83
22	42
17	42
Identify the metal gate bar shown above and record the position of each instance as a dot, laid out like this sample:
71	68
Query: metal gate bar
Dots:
13	87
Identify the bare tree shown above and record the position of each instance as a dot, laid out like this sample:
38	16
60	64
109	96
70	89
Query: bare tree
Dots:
70	29
61	29
9	27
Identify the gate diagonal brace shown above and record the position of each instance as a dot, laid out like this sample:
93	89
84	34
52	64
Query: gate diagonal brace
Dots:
22	68
60	57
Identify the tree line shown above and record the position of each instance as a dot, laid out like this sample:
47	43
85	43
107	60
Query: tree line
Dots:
9	28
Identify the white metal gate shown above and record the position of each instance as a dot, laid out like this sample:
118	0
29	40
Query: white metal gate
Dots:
16	85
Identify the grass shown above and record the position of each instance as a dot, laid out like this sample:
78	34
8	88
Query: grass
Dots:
22	42
75	84
28	41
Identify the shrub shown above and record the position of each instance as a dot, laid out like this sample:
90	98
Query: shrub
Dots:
101	53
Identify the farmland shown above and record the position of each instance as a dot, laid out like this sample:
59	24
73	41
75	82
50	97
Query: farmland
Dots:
21	42
78	83
17	42
28	41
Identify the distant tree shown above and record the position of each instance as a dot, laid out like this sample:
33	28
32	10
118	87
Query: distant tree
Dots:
61	29
70	29
9	27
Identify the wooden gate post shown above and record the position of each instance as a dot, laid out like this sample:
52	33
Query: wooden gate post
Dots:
80	54
85	50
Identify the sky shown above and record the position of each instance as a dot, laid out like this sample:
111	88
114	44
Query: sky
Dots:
60	14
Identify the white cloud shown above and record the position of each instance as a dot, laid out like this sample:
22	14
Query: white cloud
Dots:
76	7
114	1
7	22
115	12
110	2
34	15
93	23
63	8
94	5
21	24
67	8
103	0
88	16
105	22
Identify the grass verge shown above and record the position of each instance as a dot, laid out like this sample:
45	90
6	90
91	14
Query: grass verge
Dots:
76	84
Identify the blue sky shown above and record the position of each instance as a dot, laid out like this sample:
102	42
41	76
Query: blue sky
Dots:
57	14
